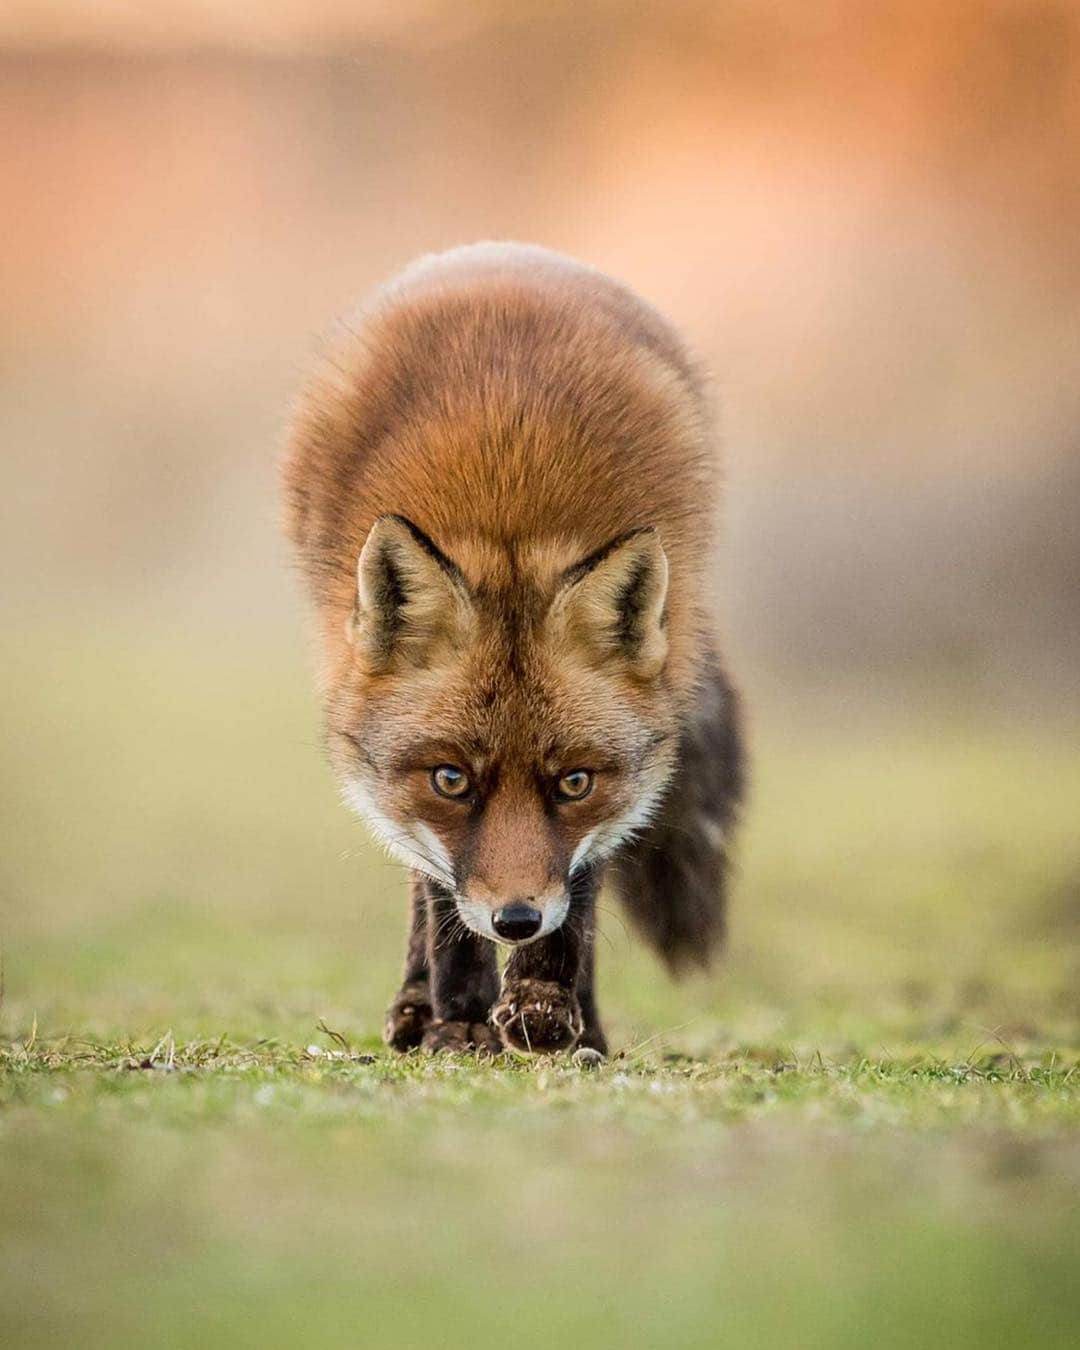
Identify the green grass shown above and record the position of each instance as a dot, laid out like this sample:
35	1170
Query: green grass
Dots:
864	1130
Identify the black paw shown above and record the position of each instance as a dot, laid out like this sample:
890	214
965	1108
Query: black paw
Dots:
537	1017
408	1017
460	1038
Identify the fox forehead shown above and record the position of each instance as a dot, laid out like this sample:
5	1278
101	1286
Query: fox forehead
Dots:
506	705
524	730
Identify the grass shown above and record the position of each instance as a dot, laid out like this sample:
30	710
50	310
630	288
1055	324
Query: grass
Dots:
864	1130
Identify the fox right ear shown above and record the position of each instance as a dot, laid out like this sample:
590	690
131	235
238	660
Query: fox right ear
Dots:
410	597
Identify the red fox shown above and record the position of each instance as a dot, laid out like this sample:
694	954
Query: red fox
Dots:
501	485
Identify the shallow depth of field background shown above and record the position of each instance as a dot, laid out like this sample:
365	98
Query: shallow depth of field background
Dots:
866	217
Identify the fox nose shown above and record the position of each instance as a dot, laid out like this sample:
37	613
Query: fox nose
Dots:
517	921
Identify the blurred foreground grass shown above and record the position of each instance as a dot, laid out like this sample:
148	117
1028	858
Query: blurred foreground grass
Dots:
863	1130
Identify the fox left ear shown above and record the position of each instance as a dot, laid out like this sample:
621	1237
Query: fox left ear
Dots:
612	602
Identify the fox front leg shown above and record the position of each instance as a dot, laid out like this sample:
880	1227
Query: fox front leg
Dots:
547	1002
463	979
409	1016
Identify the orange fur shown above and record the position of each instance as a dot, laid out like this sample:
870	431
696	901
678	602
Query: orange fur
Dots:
506	399
501	486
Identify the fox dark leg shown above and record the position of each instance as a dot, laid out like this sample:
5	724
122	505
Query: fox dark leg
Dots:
409	1015
547	986
592	1033
672	878
463	978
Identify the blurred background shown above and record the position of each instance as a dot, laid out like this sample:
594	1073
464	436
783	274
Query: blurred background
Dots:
866	217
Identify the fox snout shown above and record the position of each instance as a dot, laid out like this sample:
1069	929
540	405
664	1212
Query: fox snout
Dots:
515	921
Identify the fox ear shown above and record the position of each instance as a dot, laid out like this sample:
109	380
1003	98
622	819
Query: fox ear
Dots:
612	602
409	597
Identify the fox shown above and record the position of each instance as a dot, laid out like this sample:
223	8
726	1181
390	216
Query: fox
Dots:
501	484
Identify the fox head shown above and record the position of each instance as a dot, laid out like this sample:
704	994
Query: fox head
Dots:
501	716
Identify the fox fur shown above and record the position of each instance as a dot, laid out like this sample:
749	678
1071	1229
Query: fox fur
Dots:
502	489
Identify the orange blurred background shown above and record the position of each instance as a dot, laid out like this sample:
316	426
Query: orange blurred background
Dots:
866	216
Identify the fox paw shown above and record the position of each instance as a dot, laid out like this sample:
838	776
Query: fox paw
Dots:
461	1038
537	1017
408	1017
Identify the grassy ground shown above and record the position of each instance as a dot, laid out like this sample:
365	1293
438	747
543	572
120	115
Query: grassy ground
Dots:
865	1130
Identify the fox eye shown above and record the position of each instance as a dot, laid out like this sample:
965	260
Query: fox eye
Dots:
574	785
450	781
